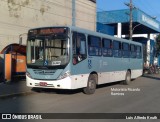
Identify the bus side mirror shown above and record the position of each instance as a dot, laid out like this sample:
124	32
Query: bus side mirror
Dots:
20	41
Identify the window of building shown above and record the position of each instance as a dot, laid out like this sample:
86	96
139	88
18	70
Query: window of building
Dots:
94	46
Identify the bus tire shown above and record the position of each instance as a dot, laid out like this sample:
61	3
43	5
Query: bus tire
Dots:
91	85
127	78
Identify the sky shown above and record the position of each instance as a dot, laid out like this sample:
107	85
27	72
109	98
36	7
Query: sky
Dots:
151	7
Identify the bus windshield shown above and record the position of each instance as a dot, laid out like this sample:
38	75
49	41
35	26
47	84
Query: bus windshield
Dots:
48	51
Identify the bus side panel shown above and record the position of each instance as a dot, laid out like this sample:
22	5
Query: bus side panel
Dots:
109	69
136	67
113	69
80	74
136	73
107	77
79	81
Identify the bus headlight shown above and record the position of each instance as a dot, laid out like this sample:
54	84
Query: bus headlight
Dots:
66	74
28	74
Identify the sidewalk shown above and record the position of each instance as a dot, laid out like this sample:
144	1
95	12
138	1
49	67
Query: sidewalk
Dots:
14	88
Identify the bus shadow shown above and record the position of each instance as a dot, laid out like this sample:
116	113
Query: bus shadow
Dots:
57	91
151	77
18	78
109	84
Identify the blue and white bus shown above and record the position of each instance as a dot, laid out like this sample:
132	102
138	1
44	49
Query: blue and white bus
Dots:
72	58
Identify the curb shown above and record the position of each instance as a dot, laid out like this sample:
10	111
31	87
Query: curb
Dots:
16	94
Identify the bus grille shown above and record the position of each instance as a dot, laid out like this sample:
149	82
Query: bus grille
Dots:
44	72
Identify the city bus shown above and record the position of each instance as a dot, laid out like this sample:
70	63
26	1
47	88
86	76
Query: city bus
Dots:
67	57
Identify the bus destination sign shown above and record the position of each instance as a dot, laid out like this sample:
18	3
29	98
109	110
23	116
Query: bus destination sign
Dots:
47	31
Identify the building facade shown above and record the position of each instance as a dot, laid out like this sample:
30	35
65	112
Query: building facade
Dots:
18	16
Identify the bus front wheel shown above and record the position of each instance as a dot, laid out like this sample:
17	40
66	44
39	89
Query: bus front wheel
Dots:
91	85
127	78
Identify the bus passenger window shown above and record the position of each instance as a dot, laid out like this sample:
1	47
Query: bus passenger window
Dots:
117	49
132	51
94	46
79	47
107	47
138	51
125	51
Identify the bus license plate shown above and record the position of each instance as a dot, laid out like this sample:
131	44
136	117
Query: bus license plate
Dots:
43	84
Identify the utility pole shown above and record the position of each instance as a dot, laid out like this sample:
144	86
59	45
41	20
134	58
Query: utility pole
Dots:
73	13
130	5
131	20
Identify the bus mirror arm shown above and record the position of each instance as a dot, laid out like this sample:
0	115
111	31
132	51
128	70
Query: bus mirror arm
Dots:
20	40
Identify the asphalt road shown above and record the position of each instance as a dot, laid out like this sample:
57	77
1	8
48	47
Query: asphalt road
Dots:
141	96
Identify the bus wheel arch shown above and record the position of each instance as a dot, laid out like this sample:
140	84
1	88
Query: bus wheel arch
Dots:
96	75
127	77
91	84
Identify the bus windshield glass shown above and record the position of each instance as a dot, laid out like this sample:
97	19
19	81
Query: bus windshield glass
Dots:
48	50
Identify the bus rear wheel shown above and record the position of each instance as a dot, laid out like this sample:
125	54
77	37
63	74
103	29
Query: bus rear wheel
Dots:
91	85
127	78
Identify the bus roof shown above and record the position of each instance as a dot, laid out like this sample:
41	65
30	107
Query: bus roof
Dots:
102	35
89	32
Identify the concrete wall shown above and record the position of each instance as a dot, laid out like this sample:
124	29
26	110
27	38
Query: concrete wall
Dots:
17	16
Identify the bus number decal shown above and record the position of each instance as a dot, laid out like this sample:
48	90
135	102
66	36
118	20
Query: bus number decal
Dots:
56	63
89	64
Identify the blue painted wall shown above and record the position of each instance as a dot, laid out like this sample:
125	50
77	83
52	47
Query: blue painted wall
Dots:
106	29
116	16
121	16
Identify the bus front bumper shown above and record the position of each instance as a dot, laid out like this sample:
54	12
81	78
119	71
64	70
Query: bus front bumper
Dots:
55	84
